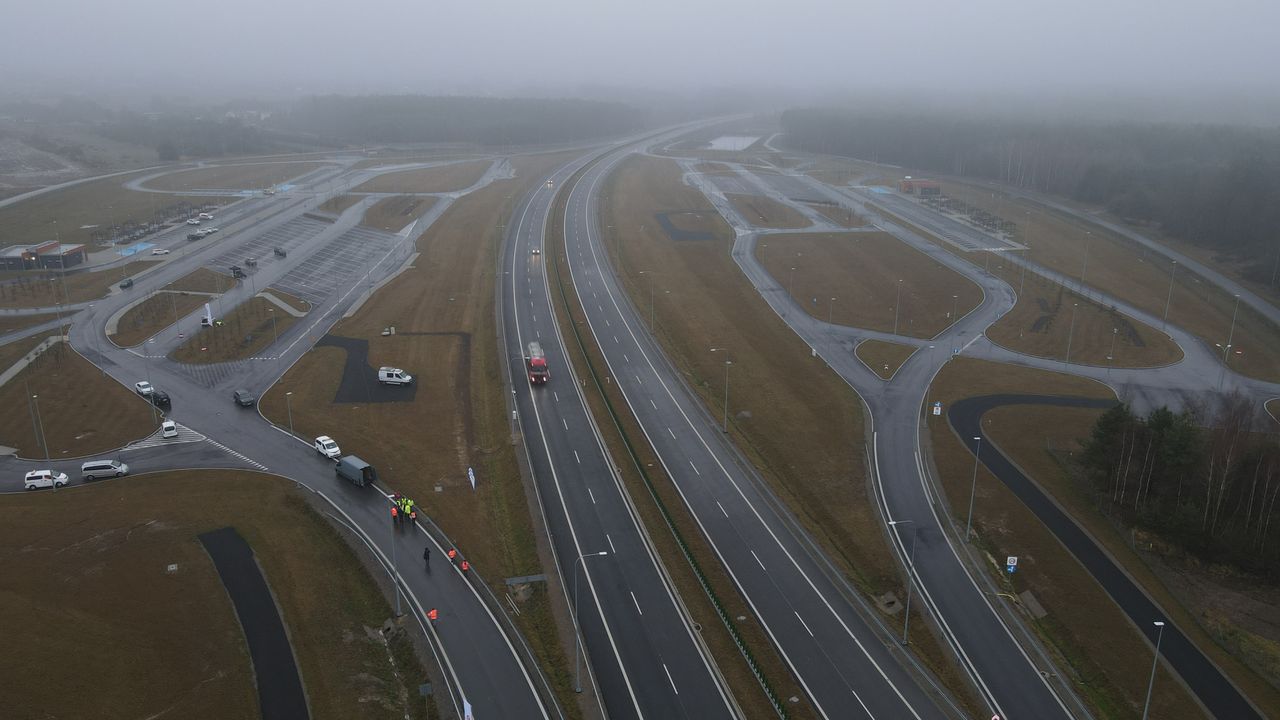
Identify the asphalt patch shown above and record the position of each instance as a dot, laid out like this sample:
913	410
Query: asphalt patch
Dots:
675	233
280	694
359	382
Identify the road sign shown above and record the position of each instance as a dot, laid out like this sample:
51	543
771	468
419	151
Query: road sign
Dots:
1011	563
937	408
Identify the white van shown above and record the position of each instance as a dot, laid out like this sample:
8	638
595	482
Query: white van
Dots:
44	478
168	429
394	376
95	469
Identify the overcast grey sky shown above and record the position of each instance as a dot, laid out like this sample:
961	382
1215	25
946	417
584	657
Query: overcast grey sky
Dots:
555	46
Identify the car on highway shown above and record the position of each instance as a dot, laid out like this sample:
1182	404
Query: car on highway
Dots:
159	251
159	398
143	387
537	251
327	447
128	283
194	236
210	231
244	398
94	469
168	429
43	479
193	221
205	216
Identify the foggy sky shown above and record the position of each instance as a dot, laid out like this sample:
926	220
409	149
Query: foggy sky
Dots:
557	46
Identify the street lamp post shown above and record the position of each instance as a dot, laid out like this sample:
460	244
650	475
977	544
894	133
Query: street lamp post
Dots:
577	629
288	404
791	285
1146	707
727	363
1071	332
276	333
1169	298
650	274
831	307
97	343
1226	349
973	488
146	359
1111	356
1084	270
1026	259
911	577
44	441
395	574
955	307
897	303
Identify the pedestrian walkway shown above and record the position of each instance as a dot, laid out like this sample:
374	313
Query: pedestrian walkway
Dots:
185	435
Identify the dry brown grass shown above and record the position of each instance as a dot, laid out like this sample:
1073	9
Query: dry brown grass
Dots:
795	420
1273	408
203	280
11	352
40	289
292	301
443	310
843	217
244	333
1041	323
1041	439
445	178
12	323
883	357
338	205
767	213
394	213
96	203
121	638
83	411
153	315
233	177
1138	277
1108	659
861	271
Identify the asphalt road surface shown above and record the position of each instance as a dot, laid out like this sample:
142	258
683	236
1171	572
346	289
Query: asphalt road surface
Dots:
1214	690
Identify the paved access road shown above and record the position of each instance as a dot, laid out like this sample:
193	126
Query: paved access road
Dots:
647	660
1215	690
848	665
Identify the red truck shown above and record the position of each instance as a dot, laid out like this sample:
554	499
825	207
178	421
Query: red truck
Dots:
536	363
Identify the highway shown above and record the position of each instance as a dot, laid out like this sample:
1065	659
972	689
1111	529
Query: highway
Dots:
476	646
848	666
646	658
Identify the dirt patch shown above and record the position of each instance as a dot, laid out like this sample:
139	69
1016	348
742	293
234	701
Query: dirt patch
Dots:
442	179
883	357
203	280
868	274
153	315
292	301
13	323
394	213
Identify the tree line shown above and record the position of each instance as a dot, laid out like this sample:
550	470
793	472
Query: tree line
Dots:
1213	185
1211	490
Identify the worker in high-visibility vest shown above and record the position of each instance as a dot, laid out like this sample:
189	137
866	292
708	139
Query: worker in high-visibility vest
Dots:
433	615
453	554
395	516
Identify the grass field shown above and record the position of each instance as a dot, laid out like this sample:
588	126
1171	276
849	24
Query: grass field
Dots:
233	177
1042	441
39	289
394	213
245	332
883	357
838	215
202	280
1107	658
443	310
83	412
444	178
96	203
292	301
862	272
1048	317
120	637
767	213
1139	277
153	315
12	323
337	205
10	353
795	420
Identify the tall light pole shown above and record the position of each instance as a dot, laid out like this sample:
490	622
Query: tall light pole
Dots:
395	574
44	440
577	629
1084	270
1026	260
791	285
727	363
955	307
1146	707
97	343
1071	332
288	404
650	274
911	578
146	359
1226	349
1169	298
1111	356
897	303
831	306
973	488
276	333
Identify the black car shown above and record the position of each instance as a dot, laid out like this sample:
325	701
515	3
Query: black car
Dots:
244	398
194	236
279	252
128	283
159	398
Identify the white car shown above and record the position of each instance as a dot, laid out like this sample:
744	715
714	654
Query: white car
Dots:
169	429
394	376
210	231
159	251
327	447
143	387
44	478
205	216
193	221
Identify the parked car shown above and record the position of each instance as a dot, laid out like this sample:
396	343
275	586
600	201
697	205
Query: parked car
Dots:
244	398
205	216
159	398
356	470
236	271
143	387
168	429
43	479
394	376
128	283
193	221
94	469
327	447
251	262
159	251
194	236
279	251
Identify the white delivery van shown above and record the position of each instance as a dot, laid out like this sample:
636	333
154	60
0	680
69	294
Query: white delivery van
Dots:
394	376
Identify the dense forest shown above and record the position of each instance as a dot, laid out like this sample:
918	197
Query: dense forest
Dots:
490	121
1215	186
1210	490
